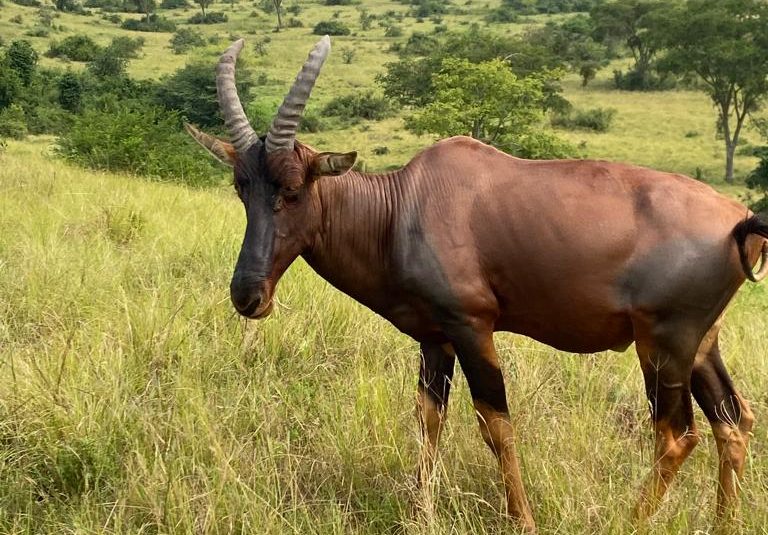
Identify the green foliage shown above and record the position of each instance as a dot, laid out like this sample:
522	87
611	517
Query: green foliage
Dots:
191	91
13	123
149	23
10	85
632	23
572	42
185	39
362	105
487	101
348	54
213	17
78	47
730	59
409	80
174	4
28	3
331	27
70	92
126	47
71	6
595	119
133	137
22	59
338	2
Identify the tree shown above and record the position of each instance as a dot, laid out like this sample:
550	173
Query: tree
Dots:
22	58
631	22
572	42
487	101
192	92
70	92
203	4
10	86
274	6
725	44
145	6
409	80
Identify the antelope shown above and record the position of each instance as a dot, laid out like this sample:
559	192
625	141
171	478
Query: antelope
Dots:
464	241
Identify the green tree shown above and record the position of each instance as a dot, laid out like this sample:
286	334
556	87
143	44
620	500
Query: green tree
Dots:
22	58
10	86
192	92
725	44
409	80
70	92
274	6
631	22
203	4
487	101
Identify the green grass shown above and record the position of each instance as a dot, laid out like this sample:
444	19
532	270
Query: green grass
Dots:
134	400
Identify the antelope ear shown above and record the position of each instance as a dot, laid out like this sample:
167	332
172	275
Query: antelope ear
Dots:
221	150
333	163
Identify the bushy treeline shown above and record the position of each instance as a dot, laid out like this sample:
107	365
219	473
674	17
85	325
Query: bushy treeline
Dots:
106	120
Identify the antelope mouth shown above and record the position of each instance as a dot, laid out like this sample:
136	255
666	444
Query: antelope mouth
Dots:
260	311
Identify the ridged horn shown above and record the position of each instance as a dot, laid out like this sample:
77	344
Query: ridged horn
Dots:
241	133
282	132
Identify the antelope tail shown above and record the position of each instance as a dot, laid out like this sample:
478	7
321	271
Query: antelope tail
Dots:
752	225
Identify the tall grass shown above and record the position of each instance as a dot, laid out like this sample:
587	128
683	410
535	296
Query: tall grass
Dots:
133	400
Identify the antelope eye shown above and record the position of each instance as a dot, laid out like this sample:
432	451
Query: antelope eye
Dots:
290	195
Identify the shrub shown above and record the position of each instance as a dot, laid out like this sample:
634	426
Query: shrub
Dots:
331	27
126	47
213	17
13	124
113	18
191	91
77	47
38	31
634	80
293	22
152	23
136	138
338	2
70	92
17	19
174	4
185	39
596	119
22	58
367	105
393	31
28	3
348	54
10	85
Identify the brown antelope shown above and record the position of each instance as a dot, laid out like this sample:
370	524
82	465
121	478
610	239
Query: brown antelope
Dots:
465	240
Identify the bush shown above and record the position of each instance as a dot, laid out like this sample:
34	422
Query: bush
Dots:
595	119
10	85
77	47
28	3
338	2
108	65
13	124
367	105
213	17
331	27
191	91
17	19
22	58
136	138
294	22
634	80
152	23
174	4
38	31
70	92
126	47
393	31
185	39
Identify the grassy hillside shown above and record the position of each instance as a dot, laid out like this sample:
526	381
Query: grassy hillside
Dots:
670	130
134	400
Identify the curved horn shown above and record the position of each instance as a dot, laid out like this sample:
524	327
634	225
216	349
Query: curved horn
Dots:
283	130
240	130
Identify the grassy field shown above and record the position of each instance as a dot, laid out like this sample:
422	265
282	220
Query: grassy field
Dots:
134	400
